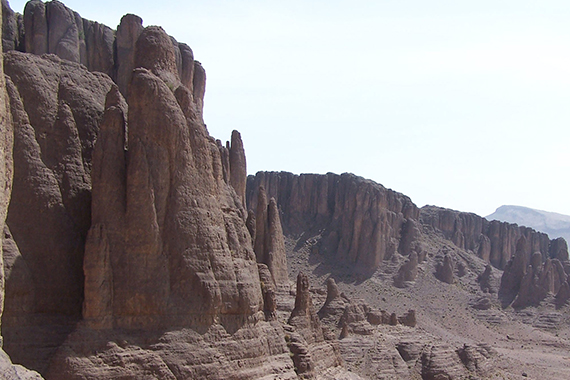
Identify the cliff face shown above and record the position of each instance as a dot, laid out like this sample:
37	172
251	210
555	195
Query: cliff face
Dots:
493	241
52	28
360	221
534	266
122	224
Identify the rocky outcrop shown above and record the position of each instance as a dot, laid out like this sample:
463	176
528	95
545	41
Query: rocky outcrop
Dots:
486	281
12	23
333	308
408	271
127	34
10	259
311	350
527	280
136	235
269	245
56	107
358	221
444	269
493	241
234	164
168	259
238	166
53	28
533	264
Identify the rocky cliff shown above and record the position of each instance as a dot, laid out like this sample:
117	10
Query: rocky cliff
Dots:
122	227
554	224
534	265
358	221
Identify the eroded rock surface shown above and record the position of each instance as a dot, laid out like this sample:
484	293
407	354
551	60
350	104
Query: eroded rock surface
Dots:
359	221
56	107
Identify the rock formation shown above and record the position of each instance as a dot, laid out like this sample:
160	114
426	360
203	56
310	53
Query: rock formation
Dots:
359	221
56	123
53	28
8	370
527	280
268	238
444	269
408	271
311	351
138	222
533	264
333	308
494	241
485	280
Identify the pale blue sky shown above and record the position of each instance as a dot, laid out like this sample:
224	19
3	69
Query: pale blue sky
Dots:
461	104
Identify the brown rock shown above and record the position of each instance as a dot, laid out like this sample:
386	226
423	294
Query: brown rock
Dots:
493	241
168	202
563	294
444	270
127	35
63	32
311	352
56	107
225	155
484	250
250	223
260	225
408	319
514	272
303	317
238	166
355	318
486	281
408	271
333	309
186	69
410	235
442	362
164	225
36	28
155	51
199	87
268	290
360	221
99	44
269	244
559	249
11	39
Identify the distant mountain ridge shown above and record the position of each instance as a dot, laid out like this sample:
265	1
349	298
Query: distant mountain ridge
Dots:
554	224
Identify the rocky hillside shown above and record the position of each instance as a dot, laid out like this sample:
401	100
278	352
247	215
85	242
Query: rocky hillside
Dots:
135	247
554	224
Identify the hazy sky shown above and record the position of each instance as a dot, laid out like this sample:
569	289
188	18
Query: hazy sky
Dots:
461	104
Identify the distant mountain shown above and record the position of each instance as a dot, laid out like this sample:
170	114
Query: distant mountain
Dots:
555	225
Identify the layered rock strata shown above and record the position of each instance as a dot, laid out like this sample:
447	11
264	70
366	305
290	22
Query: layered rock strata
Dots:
359	221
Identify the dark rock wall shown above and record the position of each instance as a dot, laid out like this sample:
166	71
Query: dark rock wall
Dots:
493	241
359	220
533	264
